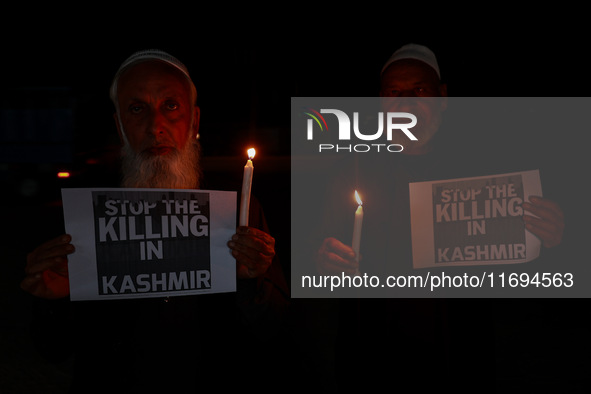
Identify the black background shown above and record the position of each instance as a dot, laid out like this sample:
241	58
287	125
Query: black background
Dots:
247	63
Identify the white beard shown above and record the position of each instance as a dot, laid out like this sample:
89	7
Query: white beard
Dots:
176	170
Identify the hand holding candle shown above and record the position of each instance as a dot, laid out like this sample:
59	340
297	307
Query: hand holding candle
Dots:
253	249
246	185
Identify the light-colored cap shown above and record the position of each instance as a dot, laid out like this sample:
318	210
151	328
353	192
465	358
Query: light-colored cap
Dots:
414	51
143	55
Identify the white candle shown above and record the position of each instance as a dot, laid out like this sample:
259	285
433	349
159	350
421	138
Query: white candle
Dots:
357	227
246	185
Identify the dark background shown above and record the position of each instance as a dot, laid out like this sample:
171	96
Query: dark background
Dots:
246	65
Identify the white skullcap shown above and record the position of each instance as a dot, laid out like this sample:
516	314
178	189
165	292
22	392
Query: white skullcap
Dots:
414	51
148	54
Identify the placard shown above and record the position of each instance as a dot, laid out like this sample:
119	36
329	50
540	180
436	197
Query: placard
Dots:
473	221
149	242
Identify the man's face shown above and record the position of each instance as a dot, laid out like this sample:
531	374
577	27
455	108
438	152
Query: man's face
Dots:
159	123
155	107
416	89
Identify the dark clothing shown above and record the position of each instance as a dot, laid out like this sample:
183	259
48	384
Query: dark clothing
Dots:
429	343
397	341
181	344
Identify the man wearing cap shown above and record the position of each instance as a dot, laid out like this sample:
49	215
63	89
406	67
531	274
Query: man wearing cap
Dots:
177	344
413	71
432	343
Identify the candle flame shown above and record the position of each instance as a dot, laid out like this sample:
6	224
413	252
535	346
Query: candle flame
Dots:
251	153
358	198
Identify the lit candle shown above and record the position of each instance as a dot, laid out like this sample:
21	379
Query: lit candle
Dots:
246	184
357	227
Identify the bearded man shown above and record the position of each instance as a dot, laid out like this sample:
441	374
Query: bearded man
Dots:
176	344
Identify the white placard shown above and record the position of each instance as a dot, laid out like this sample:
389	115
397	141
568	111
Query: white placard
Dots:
134	243
473	221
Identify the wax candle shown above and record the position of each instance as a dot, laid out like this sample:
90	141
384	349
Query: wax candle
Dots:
357	226
246	185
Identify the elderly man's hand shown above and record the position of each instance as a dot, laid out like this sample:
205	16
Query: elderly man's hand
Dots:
47	269
549	225
334	257
253	250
